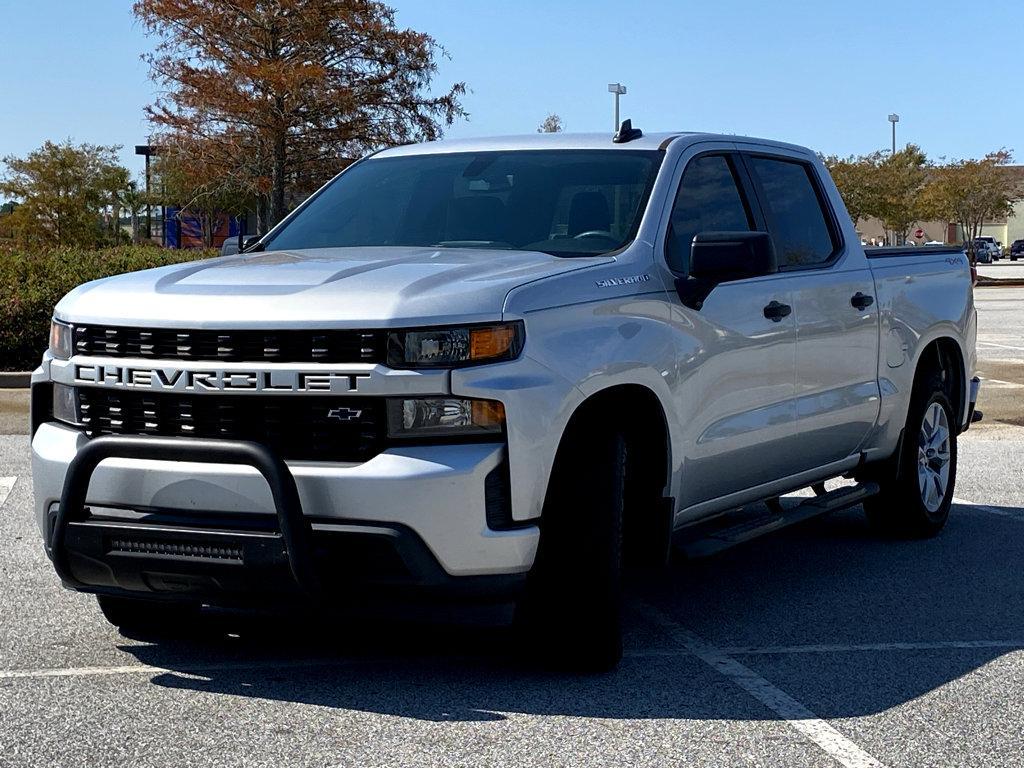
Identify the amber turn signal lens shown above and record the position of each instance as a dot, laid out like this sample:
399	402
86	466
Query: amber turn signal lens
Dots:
490	342
488	413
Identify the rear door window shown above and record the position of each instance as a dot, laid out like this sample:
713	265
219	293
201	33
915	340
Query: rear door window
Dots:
797	218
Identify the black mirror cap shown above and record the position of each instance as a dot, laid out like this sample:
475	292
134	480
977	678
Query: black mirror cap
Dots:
723	256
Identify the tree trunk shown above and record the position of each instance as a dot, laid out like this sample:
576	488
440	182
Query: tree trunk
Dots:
209	224
277	179
261	216
968	242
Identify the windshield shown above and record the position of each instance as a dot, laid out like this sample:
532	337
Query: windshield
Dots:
564	202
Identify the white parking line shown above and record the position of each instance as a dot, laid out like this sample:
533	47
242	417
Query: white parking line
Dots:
1015	513
878	647
1000	382
184	669
1003	346
796	714
6	484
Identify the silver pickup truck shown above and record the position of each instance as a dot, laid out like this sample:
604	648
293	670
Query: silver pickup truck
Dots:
508	370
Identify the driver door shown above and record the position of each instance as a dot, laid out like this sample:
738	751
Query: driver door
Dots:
736	389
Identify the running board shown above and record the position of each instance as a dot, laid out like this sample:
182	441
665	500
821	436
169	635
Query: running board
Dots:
702	540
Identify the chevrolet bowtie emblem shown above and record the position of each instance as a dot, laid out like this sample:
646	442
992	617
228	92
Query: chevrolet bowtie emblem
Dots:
344	414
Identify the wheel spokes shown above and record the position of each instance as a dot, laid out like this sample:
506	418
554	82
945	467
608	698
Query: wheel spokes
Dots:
933	456
939	488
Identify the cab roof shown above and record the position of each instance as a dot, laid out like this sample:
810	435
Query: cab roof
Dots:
566	141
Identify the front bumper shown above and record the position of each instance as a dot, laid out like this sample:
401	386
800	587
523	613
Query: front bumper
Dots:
242	561
423	509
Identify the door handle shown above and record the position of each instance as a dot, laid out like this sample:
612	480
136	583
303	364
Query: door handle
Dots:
862	301
776	311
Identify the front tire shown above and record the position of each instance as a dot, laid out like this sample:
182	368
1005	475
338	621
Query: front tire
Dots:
570	615
914	501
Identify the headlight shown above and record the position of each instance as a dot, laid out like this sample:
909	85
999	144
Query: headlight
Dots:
423	417
455	346
65	405
60	340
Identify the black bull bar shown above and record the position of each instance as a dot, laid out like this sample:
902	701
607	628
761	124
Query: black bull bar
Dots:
294	529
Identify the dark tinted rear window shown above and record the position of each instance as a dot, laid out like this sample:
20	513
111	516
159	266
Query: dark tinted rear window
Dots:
796	217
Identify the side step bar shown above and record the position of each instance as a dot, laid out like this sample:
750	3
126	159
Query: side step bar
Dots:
702	540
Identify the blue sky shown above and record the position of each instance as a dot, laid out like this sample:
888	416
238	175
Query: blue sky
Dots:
824	74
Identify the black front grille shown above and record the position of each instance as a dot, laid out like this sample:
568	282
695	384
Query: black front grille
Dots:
288	346
330	428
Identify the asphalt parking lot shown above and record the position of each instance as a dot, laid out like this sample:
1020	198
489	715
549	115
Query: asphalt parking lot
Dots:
821	645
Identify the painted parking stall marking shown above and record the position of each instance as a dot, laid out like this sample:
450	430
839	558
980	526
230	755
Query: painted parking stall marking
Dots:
795	713
6	484
746	651
1002	346
189	669
1014	513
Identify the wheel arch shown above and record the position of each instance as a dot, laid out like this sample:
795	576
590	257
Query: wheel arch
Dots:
943	355
633	408
636	411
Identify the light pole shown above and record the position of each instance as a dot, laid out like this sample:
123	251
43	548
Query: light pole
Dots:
894	119
618	89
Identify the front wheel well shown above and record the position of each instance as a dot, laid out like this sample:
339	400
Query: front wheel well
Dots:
636	412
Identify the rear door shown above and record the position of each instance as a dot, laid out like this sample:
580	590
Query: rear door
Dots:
834	308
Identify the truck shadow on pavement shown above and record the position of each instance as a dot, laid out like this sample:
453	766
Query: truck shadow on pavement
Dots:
831	585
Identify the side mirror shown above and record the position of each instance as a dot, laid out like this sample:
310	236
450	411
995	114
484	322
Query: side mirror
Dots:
237	245
717	257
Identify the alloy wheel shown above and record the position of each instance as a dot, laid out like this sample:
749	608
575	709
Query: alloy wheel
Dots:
933	457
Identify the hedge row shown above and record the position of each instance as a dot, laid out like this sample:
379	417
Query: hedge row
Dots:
32	283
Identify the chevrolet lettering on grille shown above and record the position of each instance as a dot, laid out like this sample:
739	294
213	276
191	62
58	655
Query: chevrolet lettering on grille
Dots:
213	380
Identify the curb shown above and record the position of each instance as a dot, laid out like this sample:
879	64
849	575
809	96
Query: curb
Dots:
985	282
11	380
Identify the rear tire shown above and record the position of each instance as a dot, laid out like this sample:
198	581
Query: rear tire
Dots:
915	498
138	614
570	615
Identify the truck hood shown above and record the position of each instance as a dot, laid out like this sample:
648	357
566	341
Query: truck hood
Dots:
331	287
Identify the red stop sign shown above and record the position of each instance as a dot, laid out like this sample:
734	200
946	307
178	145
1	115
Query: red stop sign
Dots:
918	233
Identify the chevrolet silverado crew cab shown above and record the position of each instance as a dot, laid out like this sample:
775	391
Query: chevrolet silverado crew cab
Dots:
507	370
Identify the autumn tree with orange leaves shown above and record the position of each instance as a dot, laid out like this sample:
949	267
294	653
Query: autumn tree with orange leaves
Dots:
278	95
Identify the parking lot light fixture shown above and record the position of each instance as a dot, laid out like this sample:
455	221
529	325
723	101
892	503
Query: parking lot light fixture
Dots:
618	89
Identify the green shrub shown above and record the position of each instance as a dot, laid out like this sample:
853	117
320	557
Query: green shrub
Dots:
32	283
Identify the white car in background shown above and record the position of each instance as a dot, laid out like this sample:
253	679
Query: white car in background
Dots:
995	248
